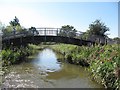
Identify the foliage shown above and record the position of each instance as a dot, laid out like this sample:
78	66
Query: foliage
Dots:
68	31
33	30
117	39
73	53
98	28
85	35
15	22
1	26
6	31
104	61
105	64
16	28
13	28
15	55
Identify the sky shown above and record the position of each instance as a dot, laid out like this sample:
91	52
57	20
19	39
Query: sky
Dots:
56	14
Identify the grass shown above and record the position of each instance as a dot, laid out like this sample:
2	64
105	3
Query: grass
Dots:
103	61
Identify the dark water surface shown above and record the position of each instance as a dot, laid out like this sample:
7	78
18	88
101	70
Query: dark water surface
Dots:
45	71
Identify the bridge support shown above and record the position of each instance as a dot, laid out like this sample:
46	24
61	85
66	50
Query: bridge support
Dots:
21	41
45	35
33	39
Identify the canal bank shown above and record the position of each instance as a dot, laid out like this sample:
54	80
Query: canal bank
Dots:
103	61
46	71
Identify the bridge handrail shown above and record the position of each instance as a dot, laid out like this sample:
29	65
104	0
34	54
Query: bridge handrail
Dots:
25	33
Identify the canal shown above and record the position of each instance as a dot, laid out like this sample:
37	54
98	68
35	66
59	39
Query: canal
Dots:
46	71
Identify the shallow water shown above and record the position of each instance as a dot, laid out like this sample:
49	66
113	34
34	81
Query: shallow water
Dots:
45	71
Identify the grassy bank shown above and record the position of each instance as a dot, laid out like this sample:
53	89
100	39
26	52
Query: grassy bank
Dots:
102	61
15	55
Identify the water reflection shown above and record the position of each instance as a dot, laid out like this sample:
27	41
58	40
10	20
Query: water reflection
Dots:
63	74
47	61
68	71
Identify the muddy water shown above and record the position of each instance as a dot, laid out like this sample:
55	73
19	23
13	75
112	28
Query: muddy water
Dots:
45	71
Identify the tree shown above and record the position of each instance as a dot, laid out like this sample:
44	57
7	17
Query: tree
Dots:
68	31
13	28
7	30
117	39
98	28
2	27
15	22
85	35
33	30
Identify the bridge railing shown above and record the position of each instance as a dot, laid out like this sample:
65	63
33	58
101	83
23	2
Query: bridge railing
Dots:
14	34
48	31
38	32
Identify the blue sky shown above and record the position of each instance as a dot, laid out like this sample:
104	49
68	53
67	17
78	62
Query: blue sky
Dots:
56	14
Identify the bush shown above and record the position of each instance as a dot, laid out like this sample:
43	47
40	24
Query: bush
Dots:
15	55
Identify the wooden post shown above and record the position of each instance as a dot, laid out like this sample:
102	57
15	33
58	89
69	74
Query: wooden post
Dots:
57	31
33	37
45	35
8	40
21	41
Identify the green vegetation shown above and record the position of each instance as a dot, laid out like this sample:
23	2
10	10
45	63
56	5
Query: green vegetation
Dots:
68	31
105	64
98	28
95	28
15	55
13	28
33	30
117	39
16	28
73	54
103	61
